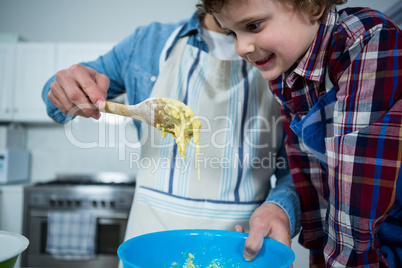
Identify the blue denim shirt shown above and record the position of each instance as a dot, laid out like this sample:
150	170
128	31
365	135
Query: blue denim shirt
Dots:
133	66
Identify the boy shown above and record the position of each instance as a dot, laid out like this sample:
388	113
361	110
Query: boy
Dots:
338	78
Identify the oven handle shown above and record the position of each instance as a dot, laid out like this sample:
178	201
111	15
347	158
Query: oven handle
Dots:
114	216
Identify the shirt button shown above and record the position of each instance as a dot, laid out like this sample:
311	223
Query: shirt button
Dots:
153	78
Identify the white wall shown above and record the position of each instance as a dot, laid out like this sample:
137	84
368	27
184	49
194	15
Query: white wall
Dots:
83	146
382	6
86	20
82	21
101	20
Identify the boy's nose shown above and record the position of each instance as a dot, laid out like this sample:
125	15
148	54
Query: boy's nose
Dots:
244	47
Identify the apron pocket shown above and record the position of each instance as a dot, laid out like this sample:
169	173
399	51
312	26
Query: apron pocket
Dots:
164	211
317	125
199	208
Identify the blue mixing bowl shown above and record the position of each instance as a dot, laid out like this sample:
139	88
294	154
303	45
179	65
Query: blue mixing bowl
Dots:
203	248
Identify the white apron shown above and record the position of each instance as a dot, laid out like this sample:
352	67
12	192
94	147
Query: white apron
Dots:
239	139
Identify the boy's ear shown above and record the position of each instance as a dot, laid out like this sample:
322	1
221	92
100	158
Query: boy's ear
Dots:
315	15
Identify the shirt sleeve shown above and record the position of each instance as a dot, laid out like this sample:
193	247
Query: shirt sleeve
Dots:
353	192
308	177
364	155
284	195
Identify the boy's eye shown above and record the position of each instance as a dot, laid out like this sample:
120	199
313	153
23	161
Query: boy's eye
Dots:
231	33
253	26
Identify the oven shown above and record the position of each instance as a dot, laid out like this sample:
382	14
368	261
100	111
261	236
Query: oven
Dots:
108	202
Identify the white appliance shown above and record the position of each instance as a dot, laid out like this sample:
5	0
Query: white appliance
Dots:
14	165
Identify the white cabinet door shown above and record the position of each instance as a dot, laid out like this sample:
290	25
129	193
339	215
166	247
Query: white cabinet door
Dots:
26	67
11	210
6	80
35	64
68	54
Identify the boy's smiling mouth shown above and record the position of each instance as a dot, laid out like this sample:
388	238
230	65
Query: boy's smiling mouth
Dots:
260	64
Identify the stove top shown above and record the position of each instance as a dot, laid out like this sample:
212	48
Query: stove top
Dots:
80	191
105	178
73	182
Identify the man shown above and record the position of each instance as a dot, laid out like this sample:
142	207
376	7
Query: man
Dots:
241	139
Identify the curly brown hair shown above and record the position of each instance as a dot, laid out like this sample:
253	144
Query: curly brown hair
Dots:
316	6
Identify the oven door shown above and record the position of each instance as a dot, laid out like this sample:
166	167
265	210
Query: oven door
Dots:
111	227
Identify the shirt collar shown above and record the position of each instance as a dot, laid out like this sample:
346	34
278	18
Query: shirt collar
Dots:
192	25
313	64
192	29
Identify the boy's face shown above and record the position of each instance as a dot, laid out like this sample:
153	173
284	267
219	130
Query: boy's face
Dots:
268	34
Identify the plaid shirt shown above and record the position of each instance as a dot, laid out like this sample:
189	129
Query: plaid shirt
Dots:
344	135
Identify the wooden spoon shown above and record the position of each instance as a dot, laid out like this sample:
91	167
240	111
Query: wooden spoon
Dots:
146	111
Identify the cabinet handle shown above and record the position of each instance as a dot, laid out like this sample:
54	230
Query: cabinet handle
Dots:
7	110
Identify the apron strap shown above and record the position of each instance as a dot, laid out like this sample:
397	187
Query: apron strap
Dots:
168	45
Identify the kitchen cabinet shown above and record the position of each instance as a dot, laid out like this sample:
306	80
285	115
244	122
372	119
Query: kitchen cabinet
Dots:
68	54
11	210
26	66
34	65
7	52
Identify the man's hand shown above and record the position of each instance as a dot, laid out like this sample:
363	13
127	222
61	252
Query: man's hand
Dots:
79	90
269	220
